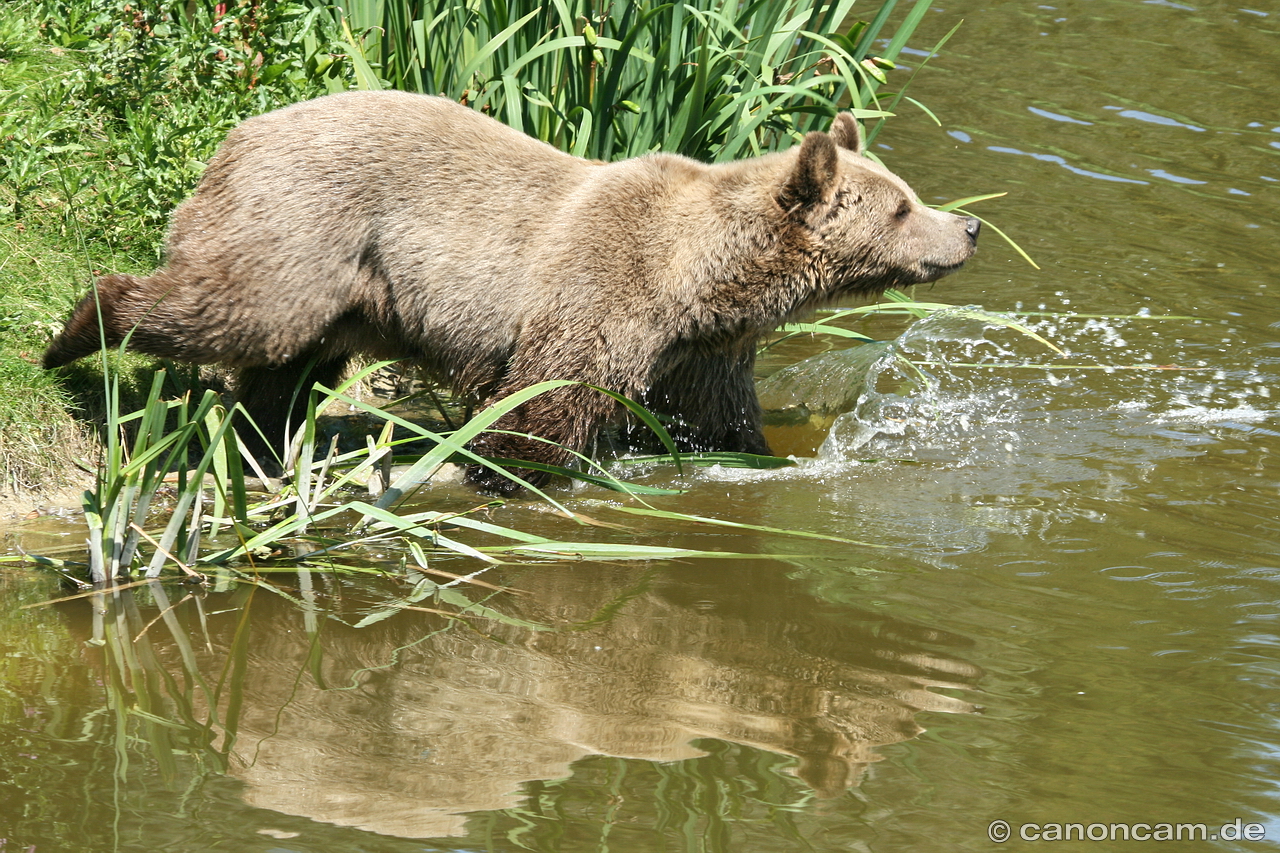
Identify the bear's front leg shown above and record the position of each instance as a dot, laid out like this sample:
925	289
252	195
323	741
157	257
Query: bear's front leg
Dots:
566	419
276	399
710	396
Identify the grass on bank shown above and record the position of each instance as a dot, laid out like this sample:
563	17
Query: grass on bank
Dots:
106	117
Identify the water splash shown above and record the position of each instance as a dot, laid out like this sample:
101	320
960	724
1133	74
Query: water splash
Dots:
981	431
958	387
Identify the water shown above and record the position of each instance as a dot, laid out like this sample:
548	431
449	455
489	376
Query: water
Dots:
1063	609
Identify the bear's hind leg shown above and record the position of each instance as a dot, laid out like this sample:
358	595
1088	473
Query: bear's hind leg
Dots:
567	417
276	399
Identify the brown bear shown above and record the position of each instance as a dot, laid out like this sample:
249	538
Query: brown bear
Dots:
394	225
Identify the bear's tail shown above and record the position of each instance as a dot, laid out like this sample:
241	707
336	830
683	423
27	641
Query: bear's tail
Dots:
83	334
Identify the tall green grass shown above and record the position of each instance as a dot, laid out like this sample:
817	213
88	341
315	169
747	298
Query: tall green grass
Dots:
713	79
170	491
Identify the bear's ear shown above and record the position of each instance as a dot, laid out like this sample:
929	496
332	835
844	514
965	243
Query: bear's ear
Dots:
846	133
813	178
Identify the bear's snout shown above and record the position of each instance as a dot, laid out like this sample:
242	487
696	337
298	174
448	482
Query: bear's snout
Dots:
971	227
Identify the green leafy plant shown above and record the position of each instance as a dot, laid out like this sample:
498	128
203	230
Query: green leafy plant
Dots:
131	475
152	90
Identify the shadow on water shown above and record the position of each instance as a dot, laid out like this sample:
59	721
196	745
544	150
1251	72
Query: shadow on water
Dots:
407	725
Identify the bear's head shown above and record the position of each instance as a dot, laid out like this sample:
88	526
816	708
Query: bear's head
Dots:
866	228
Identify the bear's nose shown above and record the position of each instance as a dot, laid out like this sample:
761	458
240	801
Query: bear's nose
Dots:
972	227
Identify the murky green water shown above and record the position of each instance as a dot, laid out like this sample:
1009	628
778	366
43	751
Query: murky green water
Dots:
1065	610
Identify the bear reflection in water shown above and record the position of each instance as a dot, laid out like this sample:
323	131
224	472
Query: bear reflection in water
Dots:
405	726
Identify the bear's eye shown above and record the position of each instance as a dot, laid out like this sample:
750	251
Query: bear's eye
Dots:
903	211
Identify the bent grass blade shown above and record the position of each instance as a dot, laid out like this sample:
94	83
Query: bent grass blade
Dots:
720	522
605	481
725	459
1105	368
961	202
900	304
610	551
986	223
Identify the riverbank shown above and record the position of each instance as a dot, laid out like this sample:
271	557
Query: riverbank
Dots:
107	115
43	445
